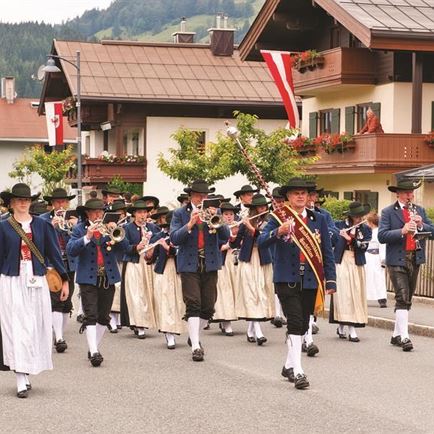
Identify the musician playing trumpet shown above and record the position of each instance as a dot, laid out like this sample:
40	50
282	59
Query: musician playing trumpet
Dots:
399	227
61	310
349	305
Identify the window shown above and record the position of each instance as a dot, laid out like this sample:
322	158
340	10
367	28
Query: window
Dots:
361	110
330	193
367	196
133	141
335	37
325	124
105	140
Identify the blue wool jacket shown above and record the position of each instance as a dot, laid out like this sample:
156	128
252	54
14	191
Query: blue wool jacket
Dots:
43	236
286	266
389	233
246	241
187	259
160	257
86	271
133	235
363	233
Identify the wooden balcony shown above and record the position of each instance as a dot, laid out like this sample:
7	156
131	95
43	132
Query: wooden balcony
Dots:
341	66
377	153
92	116
96	171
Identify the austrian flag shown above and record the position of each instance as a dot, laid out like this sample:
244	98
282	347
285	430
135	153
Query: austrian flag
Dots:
280	63
54	115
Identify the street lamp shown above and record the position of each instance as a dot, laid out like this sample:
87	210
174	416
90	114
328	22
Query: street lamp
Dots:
51	67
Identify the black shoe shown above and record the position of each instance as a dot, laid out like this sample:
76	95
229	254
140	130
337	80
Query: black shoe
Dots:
171	347
96	359
61	346
23	393
114	331
303	347
382	302
29	386
80	318
222	329
341	335
301	382
229	333
88	355
311	350
136	332
206	327
200	344
143	336
288	373
356	339
119	327
315	329
251	339
407	345
261	340
277	322
197	355
396	340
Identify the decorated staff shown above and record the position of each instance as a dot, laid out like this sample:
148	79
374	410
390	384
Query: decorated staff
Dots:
348	306
96	272
63	224
26	244
198	260
137	306
401	226
303	269
254	288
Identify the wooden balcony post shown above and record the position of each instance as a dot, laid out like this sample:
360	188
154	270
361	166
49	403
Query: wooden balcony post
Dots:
416	108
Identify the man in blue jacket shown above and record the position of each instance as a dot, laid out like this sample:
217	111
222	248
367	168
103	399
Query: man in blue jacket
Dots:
294	279
399	225
96	273
198	261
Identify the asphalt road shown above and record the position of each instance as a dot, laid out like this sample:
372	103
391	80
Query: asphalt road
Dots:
144	388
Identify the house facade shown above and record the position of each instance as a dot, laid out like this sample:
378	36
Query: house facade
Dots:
367	54
135	95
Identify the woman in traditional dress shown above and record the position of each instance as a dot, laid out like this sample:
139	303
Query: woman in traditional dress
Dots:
348	305
25	305
168	302
375	272
225	305
137	310
254	298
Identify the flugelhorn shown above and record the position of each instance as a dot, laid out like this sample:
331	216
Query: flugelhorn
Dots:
116	234
213	221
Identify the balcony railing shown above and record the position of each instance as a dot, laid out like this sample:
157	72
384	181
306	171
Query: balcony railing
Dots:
373	153
96	171
341	66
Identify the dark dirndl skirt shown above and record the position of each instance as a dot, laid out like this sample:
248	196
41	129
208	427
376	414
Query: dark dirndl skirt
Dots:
2	366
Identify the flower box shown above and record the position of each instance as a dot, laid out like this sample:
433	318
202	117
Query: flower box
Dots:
429	139
307	61
331	143
301	144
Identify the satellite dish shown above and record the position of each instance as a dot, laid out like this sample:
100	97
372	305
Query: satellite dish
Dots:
41	73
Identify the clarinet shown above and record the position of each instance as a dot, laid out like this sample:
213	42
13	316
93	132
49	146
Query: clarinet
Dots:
413	213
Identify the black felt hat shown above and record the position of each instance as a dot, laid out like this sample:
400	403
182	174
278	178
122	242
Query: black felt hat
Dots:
182	197
117	205
405	185
162	210
357	209
19	190
91	204
227	206
59	193
245	189
199	186
297	184
152	199
111	190
258	200
38	207
138	205
276	193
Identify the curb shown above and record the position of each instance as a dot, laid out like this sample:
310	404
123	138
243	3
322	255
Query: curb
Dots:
415	299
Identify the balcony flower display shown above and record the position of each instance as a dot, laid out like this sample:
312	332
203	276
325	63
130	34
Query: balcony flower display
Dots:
125	159
69	106
302	144
335	142
429	139
307	60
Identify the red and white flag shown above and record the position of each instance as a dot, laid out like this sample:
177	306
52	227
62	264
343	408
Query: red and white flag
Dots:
54	115
280	65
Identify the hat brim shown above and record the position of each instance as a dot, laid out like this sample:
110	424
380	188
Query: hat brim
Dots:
240	192
366	210
6	196
82	208
284	189
252	205
157	215
395	189
51	198
133	209
189	190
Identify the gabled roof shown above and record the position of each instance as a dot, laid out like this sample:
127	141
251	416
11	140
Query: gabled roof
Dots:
180	73
378	24
20	122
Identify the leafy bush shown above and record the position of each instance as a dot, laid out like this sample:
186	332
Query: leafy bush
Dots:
430	213
336	207
118	182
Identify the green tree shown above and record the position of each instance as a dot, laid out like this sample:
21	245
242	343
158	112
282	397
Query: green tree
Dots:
118	182
336	207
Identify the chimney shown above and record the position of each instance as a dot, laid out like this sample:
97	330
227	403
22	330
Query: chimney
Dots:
183	37
8	89
222	38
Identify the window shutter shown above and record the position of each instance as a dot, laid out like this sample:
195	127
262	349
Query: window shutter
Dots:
376	108
432	116
313	124
373	200
349	119
336	118
348	195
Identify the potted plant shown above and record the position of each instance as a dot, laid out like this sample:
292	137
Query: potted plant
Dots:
429	139
307	60
303	145
335	142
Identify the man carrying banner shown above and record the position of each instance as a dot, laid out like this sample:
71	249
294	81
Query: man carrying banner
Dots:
303	268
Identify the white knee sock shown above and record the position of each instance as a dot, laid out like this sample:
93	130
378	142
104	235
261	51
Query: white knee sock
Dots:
57	325
396	330
194	331
118	319
65	321
27	379
294	347
277	307
113	321
227	326
170	338
402	319
100	330
250	329
203	323
258	331
80	306
91	339
308	336
341	328
352	331
140	331
21	381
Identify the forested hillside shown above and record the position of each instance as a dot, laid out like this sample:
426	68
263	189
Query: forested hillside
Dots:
24	46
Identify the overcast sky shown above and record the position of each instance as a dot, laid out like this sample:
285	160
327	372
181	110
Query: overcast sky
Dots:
50	11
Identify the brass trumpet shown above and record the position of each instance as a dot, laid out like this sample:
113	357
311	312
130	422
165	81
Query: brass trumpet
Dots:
116	234
63	225
213	221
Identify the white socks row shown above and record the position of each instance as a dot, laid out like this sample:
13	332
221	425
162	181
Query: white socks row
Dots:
194	326
308	338
58	325
250	329
293	359
170	338
227	326
100	330
258	331
352	331
22	381
277	307
113	321
91	339
341	329
401	324
140	331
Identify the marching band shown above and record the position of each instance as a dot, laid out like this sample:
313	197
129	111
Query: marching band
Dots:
144	266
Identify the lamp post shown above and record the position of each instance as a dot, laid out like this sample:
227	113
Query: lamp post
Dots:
51	67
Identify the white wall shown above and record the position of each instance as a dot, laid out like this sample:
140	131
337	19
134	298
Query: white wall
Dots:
159	130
